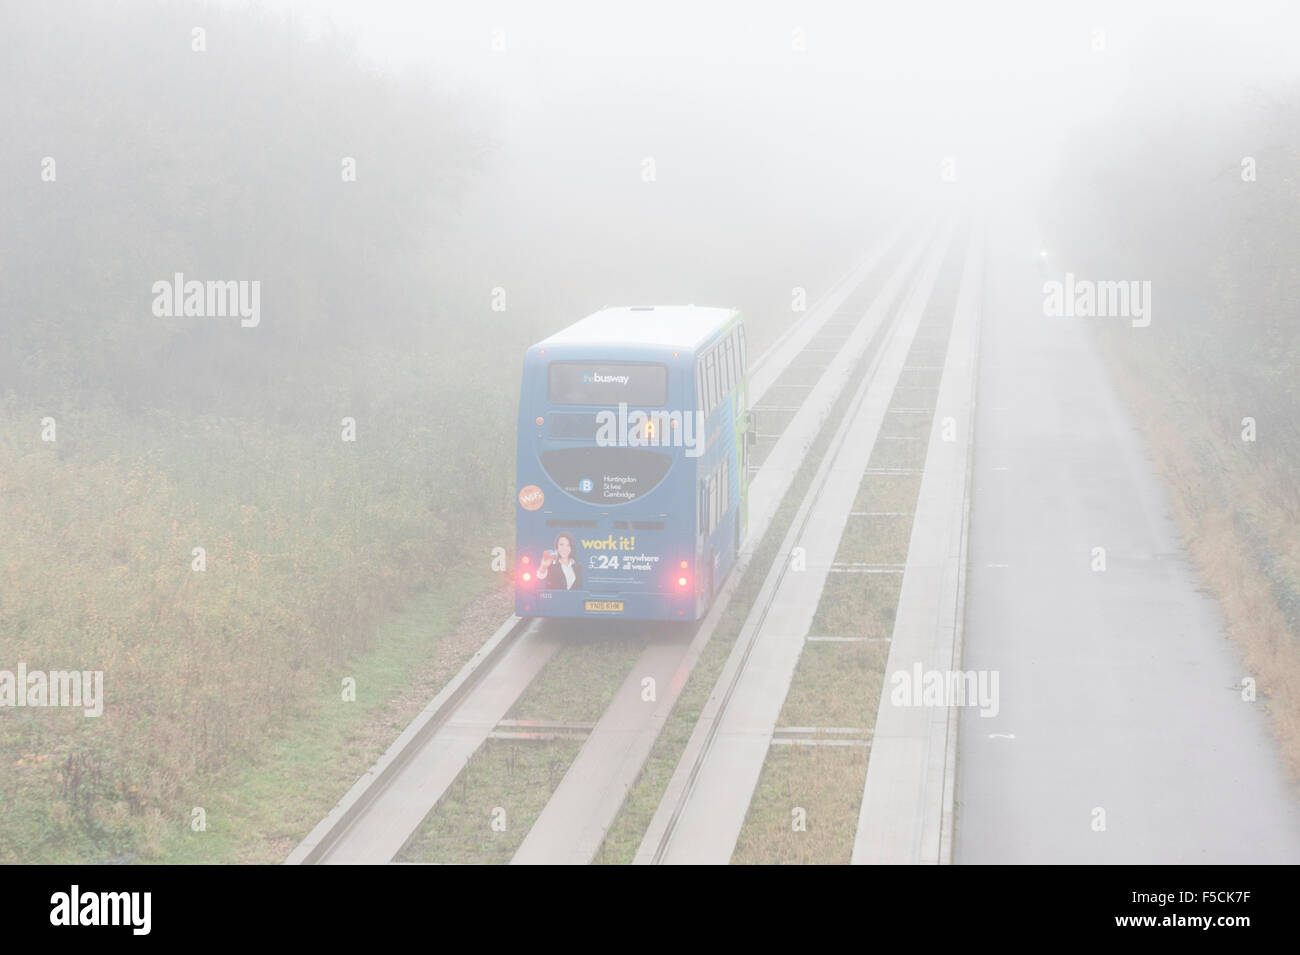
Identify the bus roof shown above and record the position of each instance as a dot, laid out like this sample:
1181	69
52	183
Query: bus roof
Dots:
672	326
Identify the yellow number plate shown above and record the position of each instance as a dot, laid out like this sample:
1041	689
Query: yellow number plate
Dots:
607	605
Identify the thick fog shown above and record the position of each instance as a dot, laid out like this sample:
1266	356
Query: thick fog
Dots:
218	507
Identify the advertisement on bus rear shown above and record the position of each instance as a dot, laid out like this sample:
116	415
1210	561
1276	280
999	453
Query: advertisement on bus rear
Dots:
620	561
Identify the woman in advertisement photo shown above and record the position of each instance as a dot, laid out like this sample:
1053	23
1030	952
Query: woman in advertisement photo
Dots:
560	567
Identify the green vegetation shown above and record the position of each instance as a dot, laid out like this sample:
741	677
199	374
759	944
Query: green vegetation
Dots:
825	782
1217	234
838	685
177	432
580	680
489	808
258	809
172	434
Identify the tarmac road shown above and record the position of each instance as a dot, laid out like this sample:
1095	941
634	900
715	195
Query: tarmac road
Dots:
1118	689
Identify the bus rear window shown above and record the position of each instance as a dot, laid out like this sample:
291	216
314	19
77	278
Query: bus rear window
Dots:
606	475
594	383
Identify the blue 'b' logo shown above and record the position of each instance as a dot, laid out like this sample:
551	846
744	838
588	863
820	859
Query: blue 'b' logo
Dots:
585	485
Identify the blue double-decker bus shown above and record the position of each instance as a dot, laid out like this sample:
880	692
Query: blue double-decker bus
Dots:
632	464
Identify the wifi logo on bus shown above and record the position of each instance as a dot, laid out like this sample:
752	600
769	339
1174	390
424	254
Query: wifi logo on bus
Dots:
531	497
